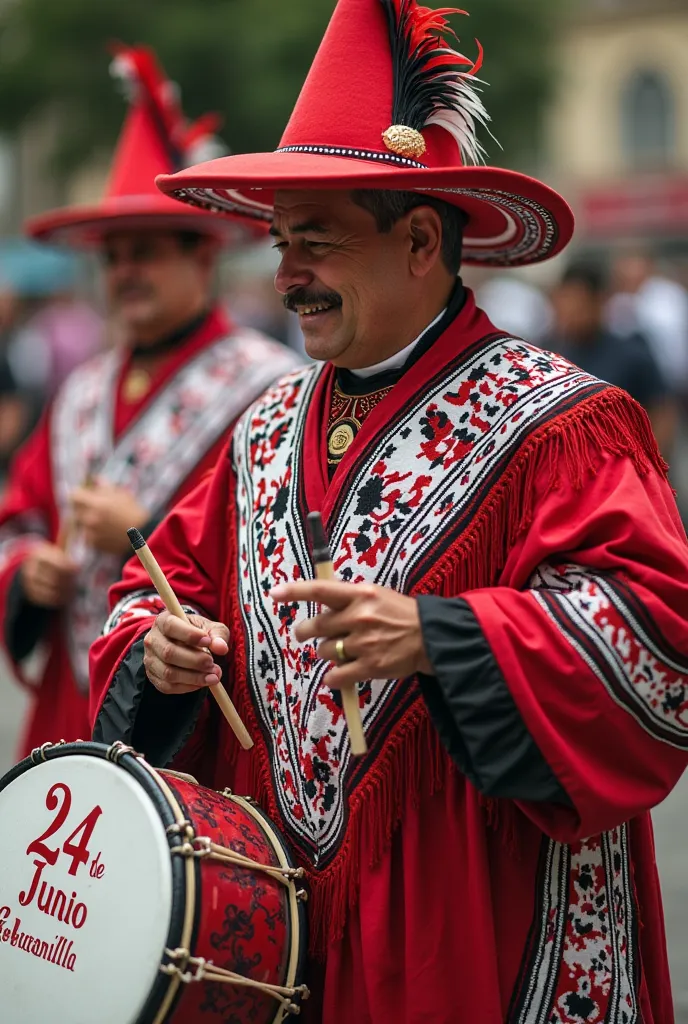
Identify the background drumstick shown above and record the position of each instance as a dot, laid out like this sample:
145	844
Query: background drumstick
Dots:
169	599
65	534
324	570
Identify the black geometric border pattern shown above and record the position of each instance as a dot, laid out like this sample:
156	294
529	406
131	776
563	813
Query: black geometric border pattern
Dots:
218	202
540	231
357	154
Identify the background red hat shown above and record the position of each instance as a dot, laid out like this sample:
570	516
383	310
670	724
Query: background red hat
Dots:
155	139
388	103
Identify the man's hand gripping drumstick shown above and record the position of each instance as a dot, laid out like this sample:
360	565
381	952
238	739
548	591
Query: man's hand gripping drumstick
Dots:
367	631
179	649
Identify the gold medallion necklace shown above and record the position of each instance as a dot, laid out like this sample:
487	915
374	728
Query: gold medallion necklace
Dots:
136	385
347	413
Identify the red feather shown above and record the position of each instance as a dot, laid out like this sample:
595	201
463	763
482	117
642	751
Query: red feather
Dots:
139	67
426	29
432	80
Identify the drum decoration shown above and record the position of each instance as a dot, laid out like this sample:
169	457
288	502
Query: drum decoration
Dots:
142	894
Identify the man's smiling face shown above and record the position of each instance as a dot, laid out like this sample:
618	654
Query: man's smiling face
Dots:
347	281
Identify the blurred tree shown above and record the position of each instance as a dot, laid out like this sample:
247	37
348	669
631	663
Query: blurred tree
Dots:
243	58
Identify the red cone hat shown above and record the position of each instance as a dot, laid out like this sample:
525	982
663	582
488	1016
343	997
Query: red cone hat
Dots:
390	103
155	139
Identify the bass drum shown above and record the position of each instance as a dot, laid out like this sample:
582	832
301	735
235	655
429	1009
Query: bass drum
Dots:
133	896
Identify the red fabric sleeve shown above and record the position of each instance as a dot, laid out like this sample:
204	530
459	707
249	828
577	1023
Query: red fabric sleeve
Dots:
191	545
28	513
589	630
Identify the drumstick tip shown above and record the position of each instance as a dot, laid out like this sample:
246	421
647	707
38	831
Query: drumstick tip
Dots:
136	538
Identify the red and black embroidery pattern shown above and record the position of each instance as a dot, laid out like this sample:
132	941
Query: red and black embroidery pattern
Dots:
411	492
604	622
582	962
140	604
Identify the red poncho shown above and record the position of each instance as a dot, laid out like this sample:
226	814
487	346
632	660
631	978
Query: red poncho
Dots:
500	474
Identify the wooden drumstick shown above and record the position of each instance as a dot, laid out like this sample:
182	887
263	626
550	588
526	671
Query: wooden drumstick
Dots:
324	570
169	599
65	534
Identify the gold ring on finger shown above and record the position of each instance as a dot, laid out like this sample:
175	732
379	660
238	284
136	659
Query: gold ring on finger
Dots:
340	651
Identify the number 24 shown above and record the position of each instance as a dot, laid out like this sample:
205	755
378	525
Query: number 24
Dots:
77	851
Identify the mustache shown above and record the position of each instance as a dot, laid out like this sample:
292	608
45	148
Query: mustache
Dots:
310	297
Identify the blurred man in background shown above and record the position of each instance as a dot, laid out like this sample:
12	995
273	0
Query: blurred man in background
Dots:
580	334
645	300
516	306
134	428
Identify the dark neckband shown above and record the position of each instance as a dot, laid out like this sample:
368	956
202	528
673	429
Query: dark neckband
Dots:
170	341
351	384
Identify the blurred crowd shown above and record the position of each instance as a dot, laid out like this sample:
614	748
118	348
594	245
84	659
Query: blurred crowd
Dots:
624	320
46	329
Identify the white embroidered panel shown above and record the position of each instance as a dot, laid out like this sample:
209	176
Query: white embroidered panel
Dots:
155	455
584	962
422	475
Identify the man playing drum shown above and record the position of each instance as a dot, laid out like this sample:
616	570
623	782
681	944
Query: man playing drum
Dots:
135	428
513	579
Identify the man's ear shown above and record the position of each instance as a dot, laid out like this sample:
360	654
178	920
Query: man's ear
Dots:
425	233
207	252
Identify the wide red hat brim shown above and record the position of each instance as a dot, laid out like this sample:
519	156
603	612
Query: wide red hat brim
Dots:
86	226
513	220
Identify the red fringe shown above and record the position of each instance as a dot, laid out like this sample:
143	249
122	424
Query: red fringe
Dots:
412	763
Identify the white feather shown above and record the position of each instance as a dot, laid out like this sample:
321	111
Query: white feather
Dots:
461	123
123	68
209	147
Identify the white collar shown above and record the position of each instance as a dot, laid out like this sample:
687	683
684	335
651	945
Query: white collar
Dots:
396	361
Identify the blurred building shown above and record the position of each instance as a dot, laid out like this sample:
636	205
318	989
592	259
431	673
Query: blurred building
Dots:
617	132
27	184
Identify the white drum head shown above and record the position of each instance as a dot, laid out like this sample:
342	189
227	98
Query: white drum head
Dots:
81	939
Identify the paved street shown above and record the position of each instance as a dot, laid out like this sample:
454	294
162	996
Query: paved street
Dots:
671	833
671	823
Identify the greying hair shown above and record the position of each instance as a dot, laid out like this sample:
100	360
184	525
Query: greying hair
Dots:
389	205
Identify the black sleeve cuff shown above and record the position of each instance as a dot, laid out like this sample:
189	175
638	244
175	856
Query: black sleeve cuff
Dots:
25	624
474	712
154	723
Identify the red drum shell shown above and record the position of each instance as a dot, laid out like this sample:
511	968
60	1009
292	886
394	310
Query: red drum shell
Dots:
243	918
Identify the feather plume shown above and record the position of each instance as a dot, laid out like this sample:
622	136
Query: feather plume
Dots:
433	83
143	80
